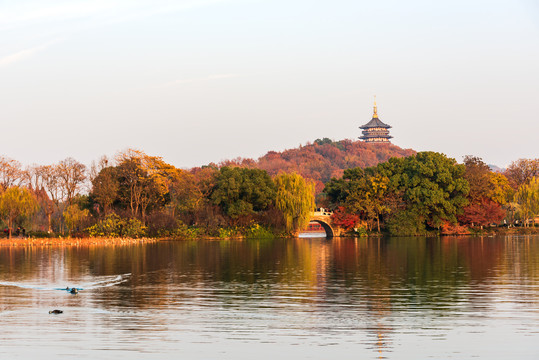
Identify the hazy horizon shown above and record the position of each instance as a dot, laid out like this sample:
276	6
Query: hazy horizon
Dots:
208	80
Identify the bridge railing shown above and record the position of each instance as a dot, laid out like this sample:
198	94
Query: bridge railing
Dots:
321	212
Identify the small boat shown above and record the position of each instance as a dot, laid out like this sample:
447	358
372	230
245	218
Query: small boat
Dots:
56	311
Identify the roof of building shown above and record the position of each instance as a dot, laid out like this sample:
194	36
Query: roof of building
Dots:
374	123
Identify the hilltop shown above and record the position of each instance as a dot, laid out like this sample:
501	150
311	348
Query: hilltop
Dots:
324	158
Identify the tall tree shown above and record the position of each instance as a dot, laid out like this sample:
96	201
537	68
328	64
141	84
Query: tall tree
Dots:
144	181
105	188
10	172
74	216
527	198
486	196
16	202
522	171
295	200
434	187
71	175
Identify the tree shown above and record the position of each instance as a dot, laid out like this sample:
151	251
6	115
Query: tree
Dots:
368	196
367	193
522	171
241	192
488	192
295	200
10	172
482	212
344	219
74	216
46	204
527	197
71	176
105	188
144	181
433	187
16	202
51	183
500	191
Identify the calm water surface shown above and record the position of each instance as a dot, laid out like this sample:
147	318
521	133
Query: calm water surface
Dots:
450	298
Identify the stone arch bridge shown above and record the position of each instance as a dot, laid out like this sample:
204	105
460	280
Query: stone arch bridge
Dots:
323	217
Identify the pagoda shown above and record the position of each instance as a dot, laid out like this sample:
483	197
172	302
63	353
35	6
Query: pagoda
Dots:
375	131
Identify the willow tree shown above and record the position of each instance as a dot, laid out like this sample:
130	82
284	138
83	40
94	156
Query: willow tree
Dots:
16	202
74	216
527	198
295	200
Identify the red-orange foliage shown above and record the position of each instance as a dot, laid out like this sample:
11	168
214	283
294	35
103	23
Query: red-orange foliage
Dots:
451	229
343	219
325	159
482	213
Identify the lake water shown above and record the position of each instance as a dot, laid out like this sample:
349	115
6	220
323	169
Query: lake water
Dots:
398	298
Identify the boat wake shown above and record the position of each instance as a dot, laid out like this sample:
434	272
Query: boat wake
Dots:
109	281
104	282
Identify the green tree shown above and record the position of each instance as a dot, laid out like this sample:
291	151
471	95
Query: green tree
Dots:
367	193
368	197
242	192
433	186
16	202
295	200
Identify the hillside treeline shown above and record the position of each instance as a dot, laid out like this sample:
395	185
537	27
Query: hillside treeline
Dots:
374	187
323	159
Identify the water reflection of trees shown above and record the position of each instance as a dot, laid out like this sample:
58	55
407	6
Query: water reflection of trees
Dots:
380	273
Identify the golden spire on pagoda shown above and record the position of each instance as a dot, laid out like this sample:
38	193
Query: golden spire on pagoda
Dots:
375	115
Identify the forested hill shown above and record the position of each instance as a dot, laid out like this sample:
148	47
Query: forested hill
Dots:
324	158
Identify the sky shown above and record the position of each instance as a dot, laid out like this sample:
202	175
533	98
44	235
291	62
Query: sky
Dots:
200	81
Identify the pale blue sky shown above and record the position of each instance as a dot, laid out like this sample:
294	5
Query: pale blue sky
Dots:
202	81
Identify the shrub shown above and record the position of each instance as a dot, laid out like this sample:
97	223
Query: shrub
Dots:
114	226
256	231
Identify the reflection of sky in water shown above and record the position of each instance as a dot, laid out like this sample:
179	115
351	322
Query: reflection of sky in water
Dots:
459	298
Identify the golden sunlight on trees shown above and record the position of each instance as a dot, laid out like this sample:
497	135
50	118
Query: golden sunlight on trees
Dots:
10	172
522	171
74	216
71	175
295	200
144	181
16	202
527	198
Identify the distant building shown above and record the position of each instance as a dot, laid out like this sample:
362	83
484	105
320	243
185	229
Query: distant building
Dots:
375	131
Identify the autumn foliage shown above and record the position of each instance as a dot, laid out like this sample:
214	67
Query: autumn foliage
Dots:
379	186
344	219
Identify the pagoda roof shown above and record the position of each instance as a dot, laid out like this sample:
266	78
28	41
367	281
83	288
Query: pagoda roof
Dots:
374	123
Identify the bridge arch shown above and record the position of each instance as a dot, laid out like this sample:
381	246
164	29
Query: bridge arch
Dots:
329	230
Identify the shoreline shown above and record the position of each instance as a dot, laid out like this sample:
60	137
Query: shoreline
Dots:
67	241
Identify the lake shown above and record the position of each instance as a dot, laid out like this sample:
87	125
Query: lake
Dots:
310	298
